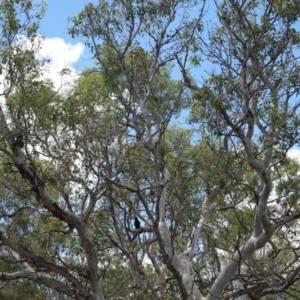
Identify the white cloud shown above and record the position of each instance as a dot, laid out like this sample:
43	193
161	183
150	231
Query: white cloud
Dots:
60	51
294	153
62	56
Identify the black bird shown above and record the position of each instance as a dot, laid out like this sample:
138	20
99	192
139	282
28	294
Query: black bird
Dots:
137	223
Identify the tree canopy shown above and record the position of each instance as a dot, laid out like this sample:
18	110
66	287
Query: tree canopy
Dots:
109	191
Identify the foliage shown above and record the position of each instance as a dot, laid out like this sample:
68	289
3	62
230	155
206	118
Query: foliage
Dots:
217	198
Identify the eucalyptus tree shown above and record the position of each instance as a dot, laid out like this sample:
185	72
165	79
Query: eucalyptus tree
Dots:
249	103
68	158
217	206
247	110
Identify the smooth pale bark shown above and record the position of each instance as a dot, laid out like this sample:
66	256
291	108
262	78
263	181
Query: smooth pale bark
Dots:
178	263
244	69
29	273
237	259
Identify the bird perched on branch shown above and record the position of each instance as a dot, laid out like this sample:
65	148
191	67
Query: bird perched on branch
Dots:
137	223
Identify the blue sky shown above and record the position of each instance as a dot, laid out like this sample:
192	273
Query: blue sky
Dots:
64	51
55	24
55	21
59	47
